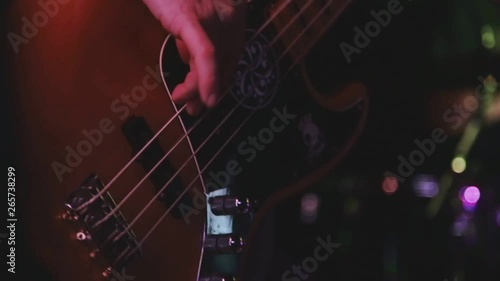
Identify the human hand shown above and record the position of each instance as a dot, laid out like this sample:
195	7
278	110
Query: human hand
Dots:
210	36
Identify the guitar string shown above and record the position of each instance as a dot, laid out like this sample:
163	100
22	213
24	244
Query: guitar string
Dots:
315	18
291	22
333	18
180	140
192	182
171	178
169	181
189	186
214	131
108	185
144	178
157	165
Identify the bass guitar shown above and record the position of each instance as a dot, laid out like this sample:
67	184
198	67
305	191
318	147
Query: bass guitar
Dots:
122	183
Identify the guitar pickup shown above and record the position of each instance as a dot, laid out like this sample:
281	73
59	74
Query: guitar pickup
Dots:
138	134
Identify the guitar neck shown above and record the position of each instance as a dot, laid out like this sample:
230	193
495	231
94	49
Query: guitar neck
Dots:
301	24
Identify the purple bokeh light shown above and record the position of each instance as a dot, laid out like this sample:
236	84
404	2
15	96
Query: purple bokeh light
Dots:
426	186
471	194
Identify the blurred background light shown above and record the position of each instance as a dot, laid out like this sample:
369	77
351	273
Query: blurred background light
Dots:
460	225
458	164
390	185
309	208
488	37
425	186
469	195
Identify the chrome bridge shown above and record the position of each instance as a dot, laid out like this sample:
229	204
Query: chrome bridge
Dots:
108	251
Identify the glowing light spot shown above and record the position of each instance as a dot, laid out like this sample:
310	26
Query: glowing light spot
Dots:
469	196
488	37
390	185
426	186
472	194
458	164
309	208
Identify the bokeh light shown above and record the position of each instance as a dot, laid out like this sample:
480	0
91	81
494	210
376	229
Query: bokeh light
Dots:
390	185
488	37
309	208
460	225
471	194
426	186
458	164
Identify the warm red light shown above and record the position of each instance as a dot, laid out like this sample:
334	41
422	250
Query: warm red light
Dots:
390	185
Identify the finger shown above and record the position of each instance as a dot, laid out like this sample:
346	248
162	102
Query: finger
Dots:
202	53
194	107
187	90
183	51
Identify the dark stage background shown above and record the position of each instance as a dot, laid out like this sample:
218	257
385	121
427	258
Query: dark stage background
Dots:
431	48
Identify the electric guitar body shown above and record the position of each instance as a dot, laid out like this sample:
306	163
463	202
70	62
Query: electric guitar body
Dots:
122	183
